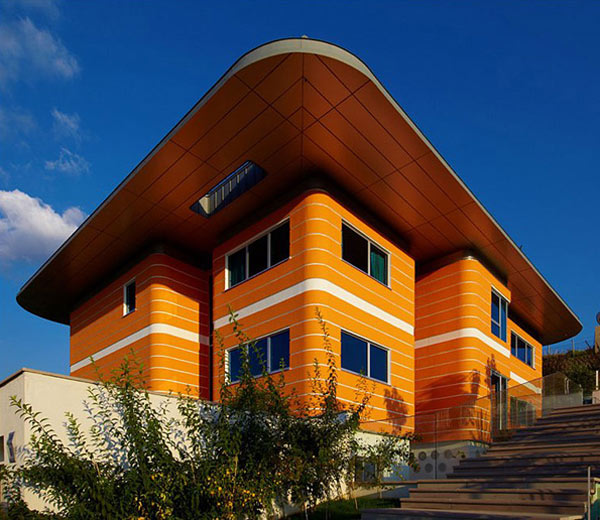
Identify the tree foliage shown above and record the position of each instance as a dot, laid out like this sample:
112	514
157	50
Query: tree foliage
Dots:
260	449
579	366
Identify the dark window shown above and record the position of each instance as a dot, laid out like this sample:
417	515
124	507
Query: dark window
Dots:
521	349
268	354
129	298
355	249
237	267
354	354
257	356
280	351
378	363
363	254
235	364
378	264
259	255
365	358
499	311
280	243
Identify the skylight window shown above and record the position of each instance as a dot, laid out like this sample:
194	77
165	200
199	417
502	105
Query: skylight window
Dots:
229	189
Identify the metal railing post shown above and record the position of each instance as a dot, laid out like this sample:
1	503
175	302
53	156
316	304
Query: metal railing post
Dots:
435	443
589	494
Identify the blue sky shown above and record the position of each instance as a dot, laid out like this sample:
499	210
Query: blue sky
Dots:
507	91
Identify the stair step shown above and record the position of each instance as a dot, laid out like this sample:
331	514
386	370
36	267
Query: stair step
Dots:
507	482
584	408
494	472
581	423
544	449
560	460
428	514
494	505
548	427
582	417
552	439
511	494
564	409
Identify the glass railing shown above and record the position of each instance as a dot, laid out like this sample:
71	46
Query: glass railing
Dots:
487	418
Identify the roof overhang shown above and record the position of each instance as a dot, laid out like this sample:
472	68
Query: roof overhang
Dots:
293	106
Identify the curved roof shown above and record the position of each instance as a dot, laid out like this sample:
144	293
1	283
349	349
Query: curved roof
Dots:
293	106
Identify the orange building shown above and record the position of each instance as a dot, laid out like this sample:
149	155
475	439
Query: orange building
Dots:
297	182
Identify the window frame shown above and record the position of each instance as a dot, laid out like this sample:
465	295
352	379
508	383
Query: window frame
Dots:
527	346
503	326
268	360
126	310
244	246
369	344
370	242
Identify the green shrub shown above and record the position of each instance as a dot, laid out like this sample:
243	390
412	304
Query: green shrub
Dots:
259	449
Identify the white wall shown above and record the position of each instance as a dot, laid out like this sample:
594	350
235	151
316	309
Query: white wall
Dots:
52	395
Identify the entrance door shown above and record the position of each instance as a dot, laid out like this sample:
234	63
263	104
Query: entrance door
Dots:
498	384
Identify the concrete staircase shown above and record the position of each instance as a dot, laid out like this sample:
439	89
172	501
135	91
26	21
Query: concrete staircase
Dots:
540	473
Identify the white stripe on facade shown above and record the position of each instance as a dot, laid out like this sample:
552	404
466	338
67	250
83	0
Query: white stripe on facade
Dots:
468	332
318	284
155	328
518	379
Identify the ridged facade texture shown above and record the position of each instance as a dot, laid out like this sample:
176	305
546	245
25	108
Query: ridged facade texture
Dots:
436	330
456	352
168	331
315	277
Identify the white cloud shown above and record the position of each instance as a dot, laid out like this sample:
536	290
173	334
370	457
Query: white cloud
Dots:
30	229
68	162
27	51
66	125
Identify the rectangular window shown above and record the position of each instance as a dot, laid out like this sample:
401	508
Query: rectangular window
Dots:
1	449
259	255
128	298
522	350
499	314
364	254
271	354
362	357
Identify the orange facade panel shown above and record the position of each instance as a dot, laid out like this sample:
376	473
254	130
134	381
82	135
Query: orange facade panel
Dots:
314	276
458	356
167	330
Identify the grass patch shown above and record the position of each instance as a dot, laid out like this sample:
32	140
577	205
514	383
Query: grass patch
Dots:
345	509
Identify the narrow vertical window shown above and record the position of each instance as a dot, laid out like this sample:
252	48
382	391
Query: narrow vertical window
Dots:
237	267
280	244
258	256
129	298
355	249
499	312
378	265
279	353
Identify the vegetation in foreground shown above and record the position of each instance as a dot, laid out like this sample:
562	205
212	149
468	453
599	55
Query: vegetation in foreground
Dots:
260	449
346	509
579	366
